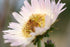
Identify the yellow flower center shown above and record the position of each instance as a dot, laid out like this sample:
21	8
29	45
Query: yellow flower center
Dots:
36	20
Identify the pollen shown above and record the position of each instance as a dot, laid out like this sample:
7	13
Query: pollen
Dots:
36	20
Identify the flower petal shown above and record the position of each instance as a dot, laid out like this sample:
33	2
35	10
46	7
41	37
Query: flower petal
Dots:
27	5
14	25
18	17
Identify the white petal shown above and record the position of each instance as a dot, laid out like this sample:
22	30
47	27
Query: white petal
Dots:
8	31
16	43
6	41
42	4
14	25
35	5
58	2
25	12
18	17
61	5
27	5
57	9
48	3
63	9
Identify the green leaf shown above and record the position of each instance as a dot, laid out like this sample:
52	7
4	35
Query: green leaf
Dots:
39	43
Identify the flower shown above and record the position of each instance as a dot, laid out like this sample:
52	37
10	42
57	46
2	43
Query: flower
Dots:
32	20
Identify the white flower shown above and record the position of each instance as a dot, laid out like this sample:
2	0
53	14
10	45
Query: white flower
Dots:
32	20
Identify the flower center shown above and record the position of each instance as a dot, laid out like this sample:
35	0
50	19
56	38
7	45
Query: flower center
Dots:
36	20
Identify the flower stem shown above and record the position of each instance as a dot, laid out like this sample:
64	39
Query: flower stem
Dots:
39	43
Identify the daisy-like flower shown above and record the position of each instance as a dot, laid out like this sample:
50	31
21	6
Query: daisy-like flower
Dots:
32	20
